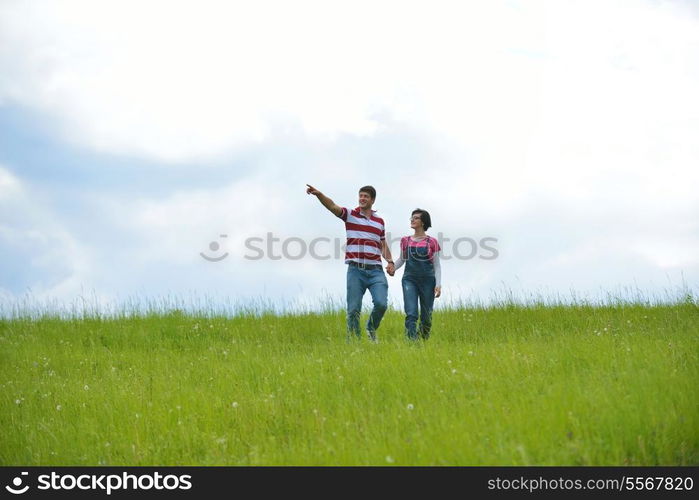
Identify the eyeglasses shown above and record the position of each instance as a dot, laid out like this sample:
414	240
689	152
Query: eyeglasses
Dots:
415	217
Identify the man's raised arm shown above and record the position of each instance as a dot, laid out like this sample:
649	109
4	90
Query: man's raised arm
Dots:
327	202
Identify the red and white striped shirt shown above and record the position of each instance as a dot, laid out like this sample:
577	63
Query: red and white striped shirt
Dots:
364	236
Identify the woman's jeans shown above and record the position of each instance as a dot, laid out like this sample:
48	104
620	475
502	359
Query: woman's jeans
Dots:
417	288
358	280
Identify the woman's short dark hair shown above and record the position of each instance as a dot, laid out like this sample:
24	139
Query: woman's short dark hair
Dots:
424	217
368	190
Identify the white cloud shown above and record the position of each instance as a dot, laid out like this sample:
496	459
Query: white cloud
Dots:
185	80
577	121
41	256
9	185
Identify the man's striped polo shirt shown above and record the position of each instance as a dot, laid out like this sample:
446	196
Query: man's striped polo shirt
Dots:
364	236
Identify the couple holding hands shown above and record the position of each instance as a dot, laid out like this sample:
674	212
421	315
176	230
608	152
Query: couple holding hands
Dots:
366	244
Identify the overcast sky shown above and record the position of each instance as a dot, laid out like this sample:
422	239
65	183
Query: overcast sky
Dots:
134	134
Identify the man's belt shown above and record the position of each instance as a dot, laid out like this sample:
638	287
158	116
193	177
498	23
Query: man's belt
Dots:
364	266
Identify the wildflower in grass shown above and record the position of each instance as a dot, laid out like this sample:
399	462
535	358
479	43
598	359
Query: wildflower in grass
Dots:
389	459
87	387
453	371
59	407
410	407
18	401
234	404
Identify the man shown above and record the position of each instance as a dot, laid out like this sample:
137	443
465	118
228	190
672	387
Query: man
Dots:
366	243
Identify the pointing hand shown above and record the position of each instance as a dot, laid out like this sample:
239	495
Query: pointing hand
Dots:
311	190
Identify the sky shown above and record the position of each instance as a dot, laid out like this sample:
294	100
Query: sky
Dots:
135	135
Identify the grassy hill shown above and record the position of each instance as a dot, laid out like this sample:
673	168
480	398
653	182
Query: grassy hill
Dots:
506	385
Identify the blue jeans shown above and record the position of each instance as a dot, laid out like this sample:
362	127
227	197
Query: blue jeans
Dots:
358	280
418	288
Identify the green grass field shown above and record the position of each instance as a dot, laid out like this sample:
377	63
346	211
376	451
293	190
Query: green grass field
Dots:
505	385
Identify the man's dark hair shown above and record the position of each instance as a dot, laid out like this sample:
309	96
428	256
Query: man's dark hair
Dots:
368	190
424	217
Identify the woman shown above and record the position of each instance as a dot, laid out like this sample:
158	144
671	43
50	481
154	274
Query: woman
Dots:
422	280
